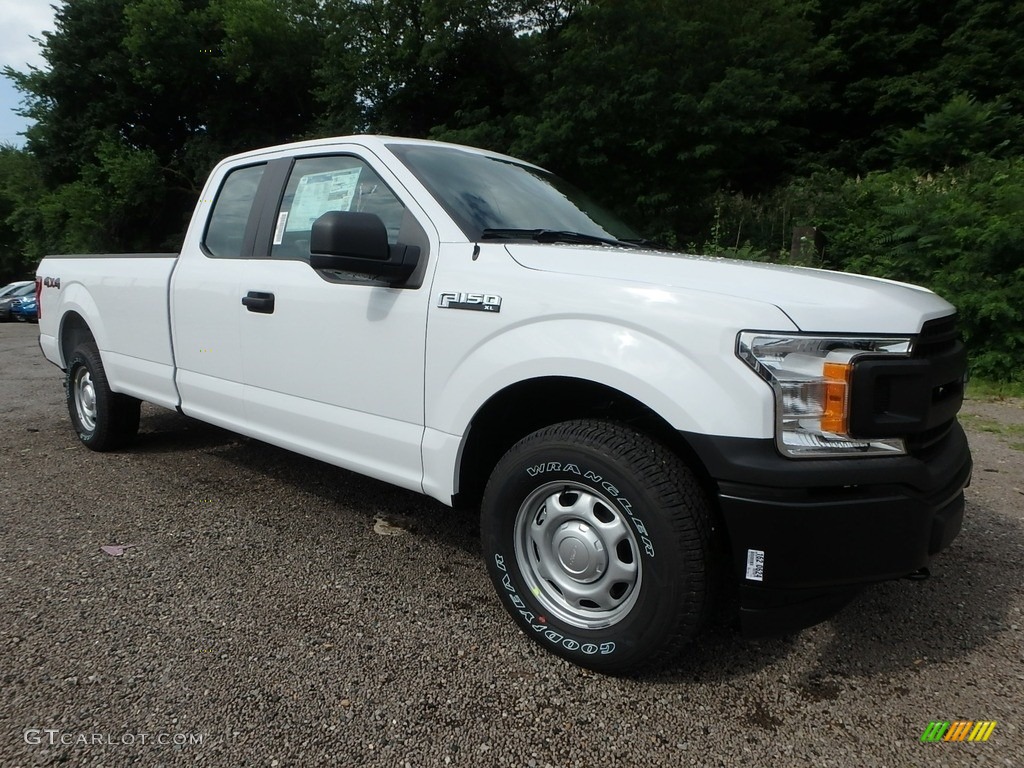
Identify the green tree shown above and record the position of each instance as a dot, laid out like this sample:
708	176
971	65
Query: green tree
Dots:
156	91
886	64
984	53
961	130
414	67
654	116
84	93
20	190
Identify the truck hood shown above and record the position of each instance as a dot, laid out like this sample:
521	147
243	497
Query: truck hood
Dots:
815	300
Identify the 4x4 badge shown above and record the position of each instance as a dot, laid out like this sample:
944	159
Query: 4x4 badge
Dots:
481	302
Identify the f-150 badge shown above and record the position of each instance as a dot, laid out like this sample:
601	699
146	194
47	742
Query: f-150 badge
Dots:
481	302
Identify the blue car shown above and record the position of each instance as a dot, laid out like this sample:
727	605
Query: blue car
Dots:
25	309
19	291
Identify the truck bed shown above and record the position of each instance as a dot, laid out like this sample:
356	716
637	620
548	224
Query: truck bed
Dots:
125	298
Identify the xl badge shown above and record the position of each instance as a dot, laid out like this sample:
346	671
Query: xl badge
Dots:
481	302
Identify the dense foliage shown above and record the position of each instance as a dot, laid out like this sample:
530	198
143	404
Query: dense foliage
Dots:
893	126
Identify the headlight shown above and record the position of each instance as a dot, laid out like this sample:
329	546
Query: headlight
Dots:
811	378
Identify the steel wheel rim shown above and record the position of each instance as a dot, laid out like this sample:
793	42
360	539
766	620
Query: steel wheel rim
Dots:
578	554
85	399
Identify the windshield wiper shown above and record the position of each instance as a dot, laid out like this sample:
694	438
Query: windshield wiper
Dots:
642	242
553	236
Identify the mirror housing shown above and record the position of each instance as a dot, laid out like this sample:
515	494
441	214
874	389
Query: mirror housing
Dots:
358	242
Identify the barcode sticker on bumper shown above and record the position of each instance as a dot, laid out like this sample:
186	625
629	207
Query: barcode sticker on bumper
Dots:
755	565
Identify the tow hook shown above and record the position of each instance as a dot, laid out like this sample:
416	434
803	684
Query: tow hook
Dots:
919	575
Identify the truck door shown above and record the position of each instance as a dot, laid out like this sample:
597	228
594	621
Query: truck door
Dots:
205	312
334	362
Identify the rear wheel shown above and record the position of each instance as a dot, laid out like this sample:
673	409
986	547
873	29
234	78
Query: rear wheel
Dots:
598	540
103	419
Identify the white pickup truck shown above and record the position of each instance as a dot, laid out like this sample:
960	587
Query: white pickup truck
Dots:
647	435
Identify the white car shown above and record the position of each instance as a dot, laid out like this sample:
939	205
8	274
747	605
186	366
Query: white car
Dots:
644	432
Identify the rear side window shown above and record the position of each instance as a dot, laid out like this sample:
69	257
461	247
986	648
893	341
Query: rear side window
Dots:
225	232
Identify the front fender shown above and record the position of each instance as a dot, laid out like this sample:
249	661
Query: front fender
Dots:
701	388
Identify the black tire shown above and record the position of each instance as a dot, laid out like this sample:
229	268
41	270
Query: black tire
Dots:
567	513
104	420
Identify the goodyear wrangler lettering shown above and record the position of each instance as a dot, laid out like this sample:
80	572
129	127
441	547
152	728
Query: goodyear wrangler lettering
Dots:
607	487
553	466
539	625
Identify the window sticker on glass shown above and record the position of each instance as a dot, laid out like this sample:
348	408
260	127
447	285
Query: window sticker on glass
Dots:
318	193
279	230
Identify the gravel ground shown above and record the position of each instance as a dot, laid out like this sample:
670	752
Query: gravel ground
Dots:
262	617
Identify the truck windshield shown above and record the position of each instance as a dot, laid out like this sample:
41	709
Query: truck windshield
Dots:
494	198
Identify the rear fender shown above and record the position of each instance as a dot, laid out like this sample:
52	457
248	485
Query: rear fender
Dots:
76	299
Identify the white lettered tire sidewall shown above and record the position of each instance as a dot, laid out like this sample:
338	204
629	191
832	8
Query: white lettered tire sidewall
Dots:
653	492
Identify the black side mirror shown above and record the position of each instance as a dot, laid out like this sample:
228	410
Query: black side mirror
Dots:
358	242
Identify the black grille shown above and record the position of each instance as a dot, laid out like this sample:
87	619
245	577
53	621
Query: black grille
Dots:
916	398
937	338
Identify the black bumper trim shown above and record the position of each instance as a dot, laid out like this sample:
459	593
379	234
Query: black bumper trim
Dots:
829	527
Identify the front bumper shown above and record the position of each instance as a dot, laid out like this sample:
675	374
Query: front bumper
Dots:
828	527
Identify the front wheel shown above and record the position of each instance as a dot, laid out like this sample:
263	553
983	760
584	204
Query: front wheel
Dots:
103	419
598	540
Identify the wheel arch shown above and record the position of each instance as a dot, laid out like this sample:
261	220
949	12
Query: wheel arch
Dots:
73	331
526	406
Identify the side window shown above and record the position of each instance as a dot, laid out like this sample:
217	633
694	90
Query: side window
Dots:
321	184
225	231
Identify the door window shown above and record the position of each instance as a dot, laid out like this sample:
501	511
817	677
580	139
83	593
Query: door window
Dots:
337	183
